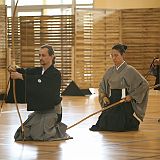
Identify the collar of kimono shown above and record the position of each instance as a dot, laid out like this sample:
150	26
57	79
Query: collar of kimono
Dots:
120	65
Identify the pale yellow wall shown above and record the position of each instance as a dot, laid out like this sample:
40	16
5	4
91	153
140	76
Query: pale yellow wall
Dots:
126	4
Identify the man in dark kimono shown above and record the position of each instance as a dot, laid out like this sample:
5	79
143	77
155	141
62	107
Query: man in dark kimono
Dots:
42	94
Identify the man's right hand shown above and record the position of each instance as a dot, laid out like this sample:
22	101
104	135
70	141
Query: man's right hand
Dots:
12	68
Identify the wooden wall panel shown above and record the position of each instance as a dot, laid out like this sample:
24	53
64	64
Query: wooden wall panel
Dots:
32	32
3	49
83	55
17	40
141	32
27	36
96	32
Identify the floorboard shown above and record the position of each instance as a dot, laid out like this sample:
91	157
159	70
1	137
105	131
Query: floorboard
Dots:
135	145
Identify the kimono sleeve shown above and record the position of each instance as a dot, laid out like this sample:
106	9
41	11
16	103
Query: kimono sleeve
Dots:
138	89
104	88
137	85
19	88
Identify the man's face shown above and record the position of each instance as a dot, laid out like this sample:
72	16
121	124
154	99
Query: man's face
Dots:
45	58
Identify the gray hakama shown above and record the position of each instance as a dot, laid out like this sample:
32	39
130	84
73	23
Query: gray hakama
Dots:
43	126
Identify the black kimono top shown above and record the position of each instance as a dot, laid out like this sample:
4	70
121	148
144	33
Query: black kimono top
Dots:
41	91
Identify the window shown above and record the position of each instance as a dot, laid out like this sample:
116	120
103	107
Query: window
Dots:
29	14
46	7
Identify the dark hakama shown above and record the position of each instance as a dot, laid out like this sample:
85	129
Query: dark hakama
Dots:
118	118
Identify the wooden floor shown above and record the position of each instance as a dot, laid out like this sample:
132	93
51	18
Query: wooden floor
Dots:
85	145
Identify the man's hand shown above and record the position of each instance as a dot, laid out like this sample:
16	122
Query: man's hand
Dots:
12	68
16	75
